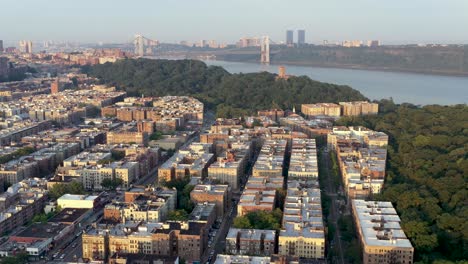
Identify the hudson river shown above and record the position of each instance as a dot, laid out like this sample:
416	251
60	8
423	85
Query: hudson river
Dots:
418	89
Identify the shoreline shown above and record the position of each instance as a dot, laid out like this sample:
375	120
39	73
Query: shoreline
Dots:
353	67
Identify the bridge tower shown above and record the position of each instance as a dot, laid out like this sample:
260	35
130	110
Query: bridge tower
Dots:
265	50
139	45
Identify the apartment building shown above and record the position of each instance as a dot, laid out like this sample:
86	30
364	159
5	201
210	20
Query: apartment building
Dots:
303	163
21	129
254	200
273	114
203	213
379	231
127	137
242	259
270	161
95	245
230	166
168	112
19	169
264	183
251	242
321	109
303	233
21	202
358	134
133	258
359	108
191	162
212	193
361	155
186	240
148	205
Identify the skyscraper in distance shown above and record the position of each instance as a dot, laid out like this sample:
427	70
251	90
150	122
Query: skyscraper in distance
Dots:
301	37
289	37
25	46
30	47
1	46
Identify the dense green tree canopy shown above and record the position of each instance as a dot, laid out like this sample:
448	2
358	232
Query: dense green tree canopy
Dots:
60	189
230	94
183	192
260	220
427	175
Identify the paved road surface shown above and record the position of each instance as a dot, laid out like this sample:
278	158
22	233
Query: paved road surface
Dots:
333	217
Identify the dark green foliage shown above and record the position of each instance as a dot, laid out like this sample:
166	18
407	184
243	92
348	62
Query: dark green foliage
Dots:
178	215
427	172
280	197
183	192
20	258
233	95
20	152
93	111
60	189
260	220
105	161
156	135
345	223
111	184
42	217
117	154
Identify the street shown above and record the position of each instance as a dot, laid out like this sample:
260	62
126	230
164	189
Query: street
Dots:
334	214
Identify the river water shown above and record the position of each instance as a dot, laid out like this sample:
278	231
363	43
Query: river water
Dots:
420	89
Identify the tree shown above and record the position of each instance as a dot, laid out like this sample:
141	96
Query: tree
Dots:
242	222
117	154
156	135
260	220
178	215
281	194
111	184
183	192
60	189
426	169
20	258
232	95
105	161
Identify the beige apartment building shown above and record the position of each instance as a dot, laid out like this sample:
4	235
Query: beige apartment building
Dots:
303	232
359	108
321	109
127	137
380	234
270	161
95	245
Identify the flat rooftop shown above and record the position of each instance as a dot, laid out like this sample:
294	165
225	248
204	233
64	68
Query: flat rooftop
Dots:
42	230
379	224
68	215
78	197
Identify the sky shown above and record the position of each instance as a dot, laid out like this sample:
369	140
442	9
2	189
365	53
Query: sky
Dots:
390	21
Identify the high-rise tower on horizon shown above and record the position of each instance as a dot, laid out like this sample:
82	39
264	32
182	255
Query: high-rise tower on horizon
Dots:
289	37
301	37
26	46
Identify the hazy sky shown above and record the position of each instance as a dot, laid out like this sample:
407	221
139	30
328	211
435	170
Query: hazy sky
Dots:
391	21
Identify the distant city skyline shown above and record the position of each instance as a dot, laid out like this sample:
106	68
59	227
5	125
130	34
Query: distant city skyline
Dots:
392	22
